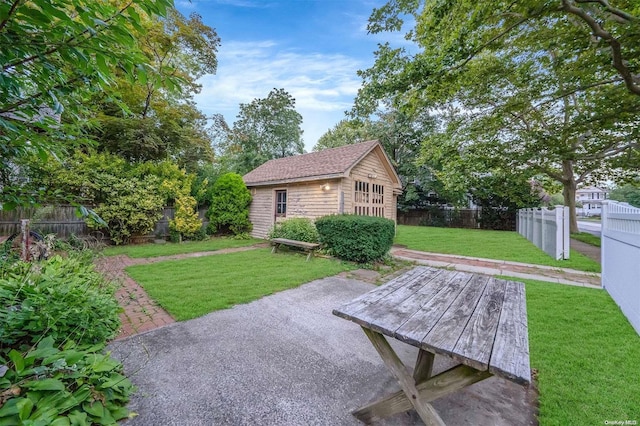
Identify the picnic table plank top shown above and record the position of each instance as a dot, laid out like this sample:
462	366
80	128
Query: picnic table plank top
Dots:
478	320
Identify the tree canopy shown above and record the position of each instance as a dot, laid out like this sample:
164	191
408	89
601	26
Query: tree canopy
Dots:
265	129
55	55
522	88
160	120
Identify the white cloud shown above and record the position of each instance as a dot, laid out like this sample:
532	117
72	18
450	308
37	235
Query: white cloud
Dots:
324	85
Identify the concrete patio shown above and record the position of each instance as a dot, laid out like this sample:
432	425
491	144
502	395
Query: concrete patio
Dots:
286	360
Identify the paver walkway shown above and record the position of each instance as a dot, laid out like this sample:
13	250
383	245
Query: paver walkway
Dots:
500	267
141	313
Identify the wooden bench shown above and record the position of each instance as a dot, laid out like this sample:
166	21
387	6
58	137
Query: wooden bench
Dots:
308	247
477	320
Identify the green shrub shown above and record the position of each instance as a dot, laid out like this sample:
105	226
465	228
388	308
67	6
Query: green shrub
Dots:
63	298
132	207
229	211
297	228
356	238
73	386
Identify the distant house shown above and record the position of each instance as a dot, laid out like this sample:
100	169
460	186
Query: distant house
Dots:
591	199
356	179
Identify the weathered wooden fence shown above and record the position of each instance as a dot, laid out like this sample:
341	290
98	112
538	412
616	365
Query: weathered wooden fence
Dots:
62	221
459	218
547	229
621	257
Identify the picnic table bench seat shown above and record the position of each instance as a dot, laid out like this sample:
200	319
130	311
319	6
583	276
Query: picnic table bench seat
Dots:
307	247
477	320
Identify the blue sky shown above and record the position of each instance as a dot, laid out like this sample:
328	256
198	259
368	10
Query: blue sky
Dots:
311	48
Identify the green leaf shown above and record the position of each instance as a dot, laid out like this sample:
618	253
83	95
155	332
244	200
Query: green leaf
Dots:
78	418
10	408
94	408
61	421
46	384
24	406
17	359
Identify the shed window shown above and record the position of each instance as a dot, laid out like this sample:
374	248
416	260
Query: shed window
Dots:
368	199
281	203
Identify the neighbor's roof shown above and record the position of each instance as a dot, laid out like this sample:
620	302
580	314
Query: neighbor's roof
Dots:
325	164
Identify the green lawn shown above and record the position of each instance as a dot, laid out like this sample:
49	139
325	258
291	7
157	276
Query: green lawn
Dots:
588	238
586	353
500	245
190	288
155	250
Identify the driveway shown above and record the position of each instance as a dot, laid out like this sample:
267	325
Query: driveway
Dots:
286	360
594	228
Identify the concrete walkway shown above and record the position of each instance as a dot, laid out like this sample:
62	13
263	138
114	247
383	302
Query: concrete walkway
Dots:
286	360
592	252
500	267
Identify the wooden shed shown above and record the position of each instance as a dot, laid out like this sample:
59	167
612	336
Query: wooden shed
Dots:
357	179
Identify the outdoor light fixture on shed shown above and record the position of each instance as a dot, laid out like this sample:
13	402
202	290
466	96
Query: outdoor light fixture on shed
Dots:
326	187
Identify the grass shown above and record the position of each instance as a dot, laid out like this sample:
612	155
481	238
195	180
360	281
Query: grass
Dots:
587	355
191	288
155	250
588	238
499	245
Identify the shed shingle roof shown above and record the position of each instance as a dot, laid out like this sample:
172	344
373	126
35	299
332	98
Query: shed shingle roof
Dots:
322	164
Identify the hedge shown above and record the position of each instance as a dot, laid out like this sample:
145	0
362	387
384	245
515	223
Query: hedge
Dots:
356	238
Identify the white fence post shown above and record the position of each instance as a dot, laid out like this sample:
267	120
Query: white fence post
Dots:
566	227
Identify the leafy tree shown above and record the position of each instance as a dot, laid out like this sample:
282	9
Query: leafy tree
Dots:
627	193
346	132
157	123
400	136
518	86
229	211
55	55
266	129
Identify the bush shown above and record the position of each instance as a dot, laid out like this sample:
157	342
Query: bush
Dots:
229	211
63	298
356	238
132	208
298	228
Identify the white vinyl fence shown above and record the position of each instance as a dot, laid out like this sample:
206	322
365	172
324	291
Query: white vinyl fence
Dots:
547	228
621	257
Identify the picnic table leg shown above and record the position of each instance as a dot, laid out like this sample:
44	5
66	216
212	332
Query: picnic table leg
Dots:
424	366
438	386
309	255
274	249
426	412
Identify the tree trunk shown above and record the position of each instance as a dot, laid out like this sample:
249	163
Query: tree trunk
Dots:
569	194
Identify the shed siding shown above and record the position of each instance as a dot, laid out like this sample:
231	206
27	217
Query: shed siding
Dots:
371	165
303	200
261	211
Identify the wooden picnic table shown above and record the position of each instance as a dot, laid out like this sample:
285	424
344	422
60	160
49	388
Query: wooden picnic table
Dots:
307	247
477	320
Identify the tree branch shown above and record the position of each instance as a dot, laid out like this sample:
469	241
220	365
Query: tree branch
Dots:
612	151
37	95
64	43
13	8
615	11
597	29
